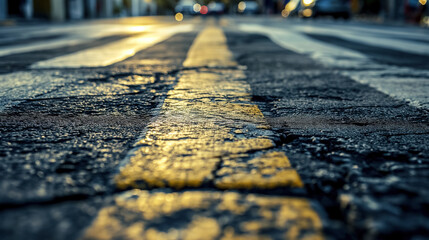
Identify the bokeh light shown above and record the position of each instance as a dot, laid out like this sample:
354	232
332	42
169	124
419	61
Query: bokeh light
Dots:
290	6
178	17
307	2
307	12
204	10
197	7
285	13
241	6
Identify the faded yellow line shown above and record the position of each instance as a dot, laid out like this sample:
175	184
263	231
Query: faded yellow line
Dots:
271	170
210	49
208	132
194	215
206	118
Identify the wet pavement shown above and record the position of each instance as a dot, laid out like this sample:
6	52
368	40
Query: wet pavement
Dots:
212	133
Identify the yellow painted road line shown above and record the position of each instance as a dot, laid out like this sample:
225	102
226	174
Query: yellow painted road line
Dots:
208	132
194	215
206	119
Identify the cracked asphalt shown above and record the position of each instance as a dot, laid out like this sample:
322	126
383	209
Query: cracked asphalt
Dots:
224	131
362	154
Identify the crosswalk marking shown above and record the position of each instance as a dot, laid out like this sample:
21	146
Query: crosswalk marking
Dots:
72	35
412	89
326	53
111	53
362	37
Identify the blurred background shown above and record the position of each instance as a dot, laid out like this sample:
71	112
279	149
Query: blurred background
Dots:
398	11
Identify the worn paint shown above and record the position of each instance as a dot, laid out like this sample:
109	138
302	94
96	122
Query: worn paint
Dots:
208	133
208	122
204	215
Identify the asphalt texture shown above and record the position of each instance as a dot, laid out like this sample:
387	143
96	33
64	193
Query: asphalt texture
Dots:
213	137
58	149
359	152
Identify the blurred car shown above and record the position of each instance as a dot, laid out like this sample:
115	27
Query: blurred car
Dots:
216	8
248	7
334	8
185	7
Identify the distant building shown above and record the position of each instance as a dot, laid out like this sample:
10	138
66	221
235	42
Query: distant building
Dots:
60	10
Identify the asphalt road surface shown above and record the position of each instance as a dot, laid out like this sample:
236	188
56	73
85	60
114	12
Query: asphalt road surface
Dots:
214	128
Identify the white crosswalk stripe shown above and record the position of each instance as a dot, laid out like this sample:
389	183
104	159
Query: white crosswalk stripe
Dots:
414	88
113	52
72	35
379	40
29	84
